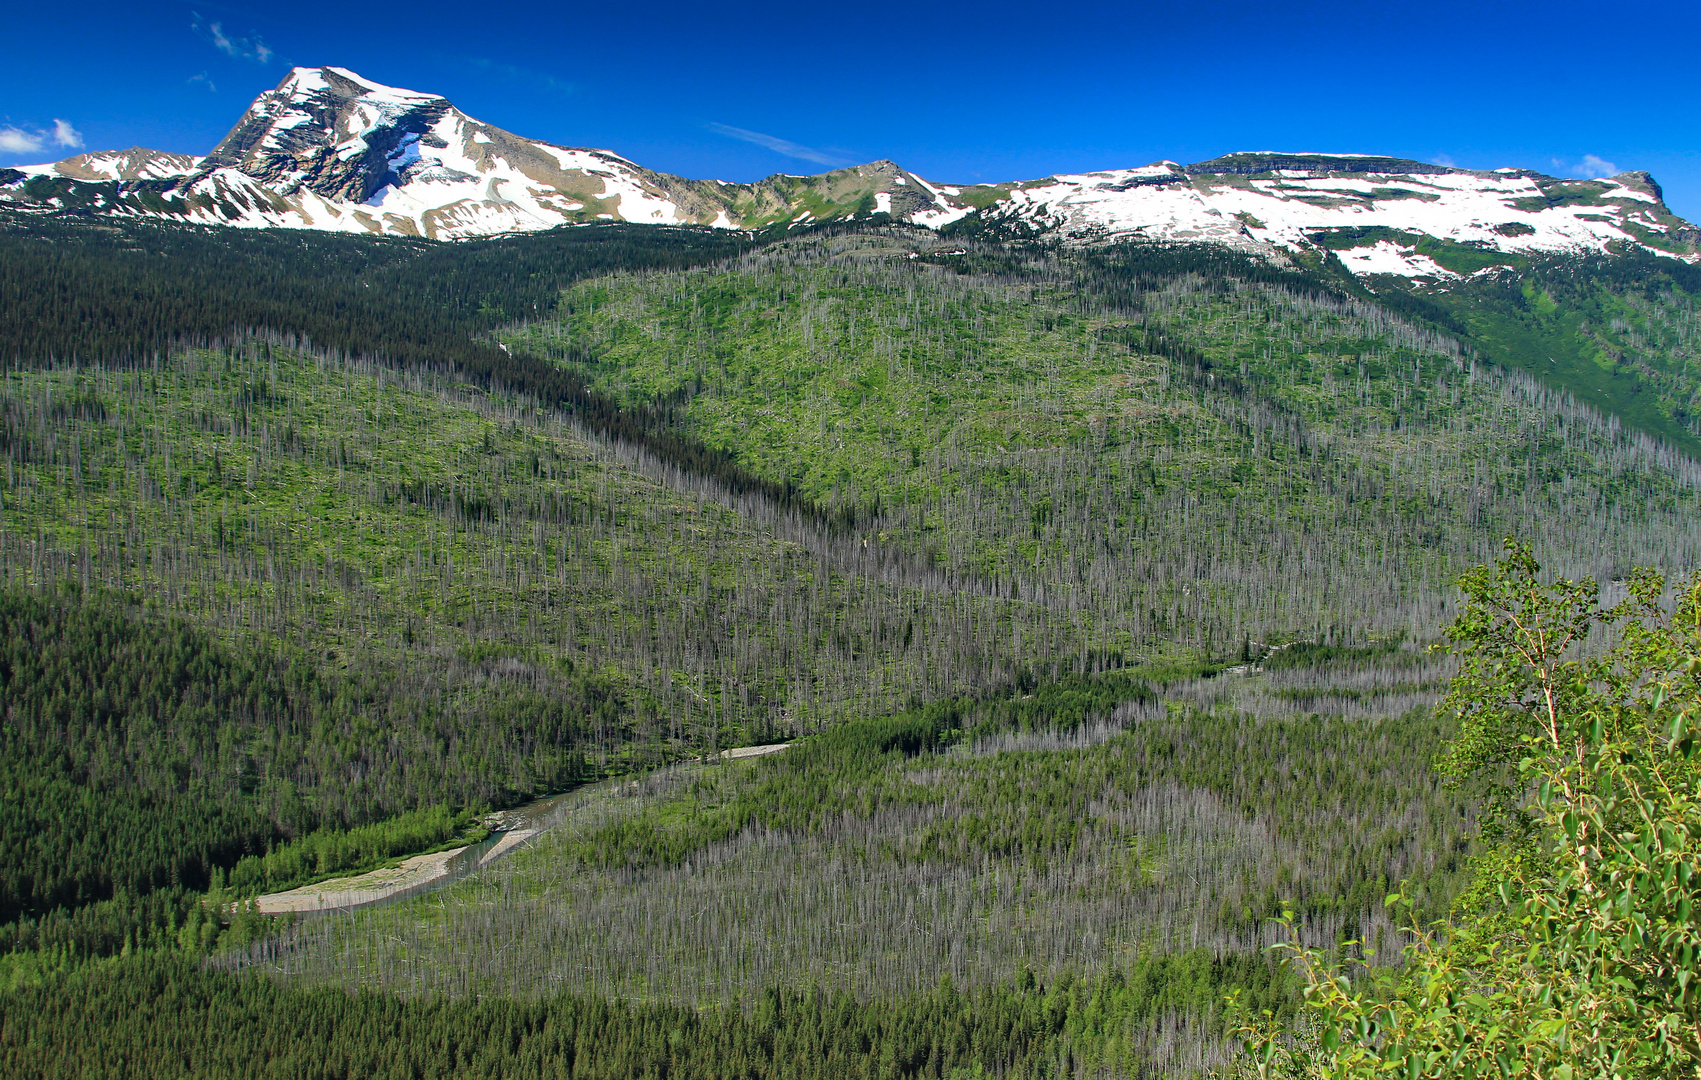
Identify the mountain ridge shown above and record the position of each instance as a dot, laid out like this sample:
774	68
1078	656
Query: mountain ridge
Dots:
330	150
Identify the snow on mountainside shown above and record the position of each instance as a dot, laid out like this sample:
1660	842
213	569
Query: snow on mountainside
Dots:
328	149
1375	213
136	163
342	152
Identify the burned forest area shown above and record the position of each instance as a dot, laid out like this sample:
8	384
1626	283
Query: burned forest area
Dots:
836	650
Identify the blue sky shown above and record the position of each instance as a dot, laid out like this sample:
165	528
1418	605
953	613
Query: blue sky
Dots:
964	93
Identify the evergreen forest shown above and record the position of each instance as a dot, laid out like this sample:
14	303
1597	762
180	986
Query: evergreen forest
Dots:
1120	609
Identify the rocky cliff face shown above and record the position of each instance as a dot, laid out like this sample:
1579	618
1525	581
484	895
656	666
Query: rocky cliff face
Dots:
328	130
328	149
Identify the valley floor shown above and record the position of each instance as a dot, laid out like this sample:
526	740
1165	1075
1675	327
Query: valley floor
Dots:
410	878
423	873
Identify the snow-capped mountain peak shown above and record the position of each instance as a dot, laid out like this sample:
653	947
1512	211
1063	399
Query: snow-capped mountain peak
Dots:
329	130
329	149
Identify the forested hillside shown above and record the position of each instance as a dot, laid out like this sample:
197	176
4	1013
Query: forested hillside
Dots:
103	294
1620	333
433	594
1076	827
1090	587
1191	449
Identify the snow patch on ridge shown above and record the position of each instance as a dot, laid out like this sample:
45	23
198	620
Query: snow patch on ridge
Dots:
1385	257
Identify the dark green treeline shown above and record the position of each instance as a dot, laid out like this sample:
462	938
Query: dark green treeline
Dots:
139	754
160	1017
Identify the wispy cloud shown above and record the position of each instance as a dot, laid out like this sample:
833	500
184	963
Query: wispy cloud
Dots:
14	140
204	79
778	145
242	48
18	140
522	76
1591	165
1596	166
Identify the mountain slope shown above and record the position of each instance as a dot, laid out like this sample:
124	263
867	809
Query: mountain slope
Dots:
1162	447
1623	333
136	163
1374	213
408	570
328	149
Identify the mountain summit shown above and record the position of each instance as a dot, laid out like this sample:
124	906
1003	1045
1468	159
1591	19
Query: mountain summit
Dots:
391	160
328	149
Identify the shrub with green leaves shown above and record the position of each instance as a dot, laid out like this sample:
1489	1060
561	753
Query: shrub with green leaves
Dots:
1578	954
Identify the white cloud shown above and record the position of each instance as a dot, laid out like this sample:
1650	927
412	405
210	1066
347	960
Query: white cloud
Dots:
1596	166
778	145
239	47
66	135
204	79
18	141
